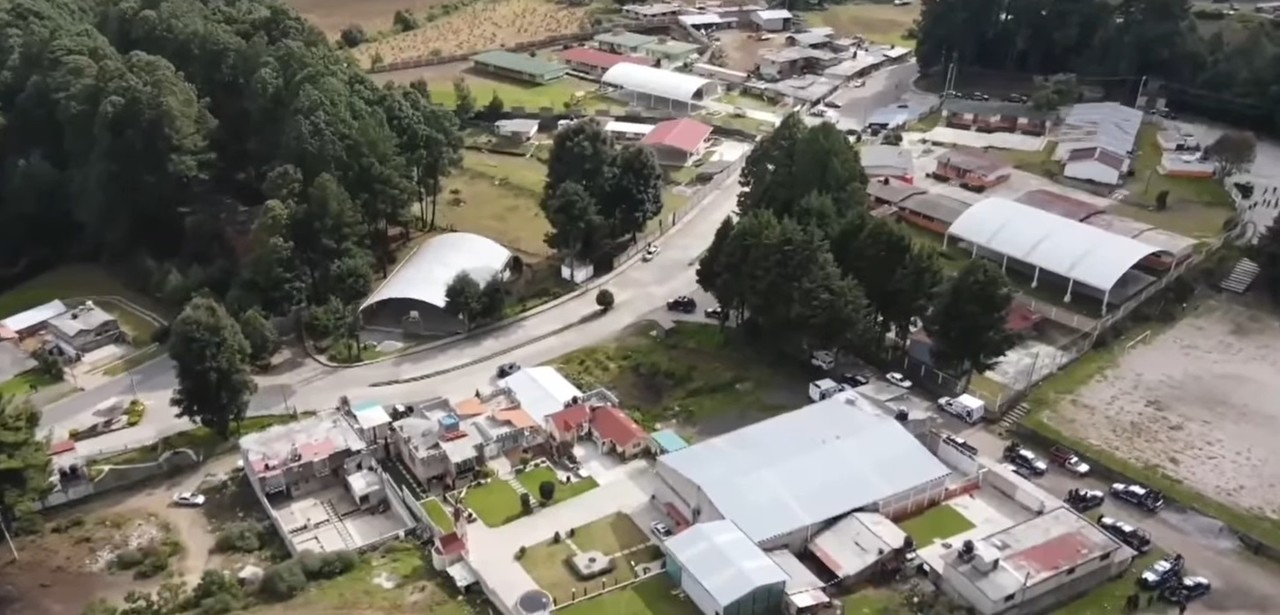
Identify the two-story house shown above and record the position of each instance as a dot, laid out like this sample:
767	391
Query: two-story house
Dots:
84	329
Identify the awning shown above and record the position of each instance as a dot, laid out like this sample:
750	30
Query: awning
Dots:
462	574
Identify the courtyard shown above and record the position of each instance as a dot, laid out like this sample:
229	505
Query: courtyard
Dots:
1187	410
653	596
938	523
615	537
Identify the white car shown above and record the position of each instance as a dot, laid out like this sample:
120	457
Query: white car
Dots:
188	498
651	251
898	379
857	83
660	529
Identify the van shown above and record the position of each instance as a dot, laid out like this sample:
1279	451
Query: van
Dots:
825	389
968	408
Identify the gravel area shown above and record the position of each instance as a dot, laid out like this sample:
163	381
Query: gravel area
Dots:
1198	401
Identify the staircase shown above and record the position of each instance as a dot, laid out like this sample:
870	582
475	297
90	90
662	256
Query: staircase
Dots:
1012	417
1241	276
515	484
337	524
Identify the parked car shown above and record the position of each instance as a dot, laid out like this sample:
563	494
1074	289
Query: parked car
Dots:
1084	500
854	379
506	369
1133	537
1150	500
1016	470
714	312
858	83
822	359
978	96
963	445
831	102
1025	459
683	303
660	529
1185	590
818	112
651	251
1162	573
1020	99
898	379
1068	459
739	112
188	498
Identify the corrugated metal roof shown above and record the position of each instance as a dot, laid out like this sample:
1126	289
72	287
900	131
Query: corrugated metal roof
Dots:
857	541
724	560
521	63
773	14
655	81
33	316
625	39
426	273
937	206
779	475
542	391
1077	251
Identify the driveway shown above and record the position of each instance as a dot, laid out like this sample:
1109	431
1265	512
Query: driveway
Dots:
883	88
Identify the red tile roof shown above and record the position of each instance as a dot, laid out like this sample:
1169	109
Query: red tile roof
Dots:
600	59
451	544
614	424
570	418
683	134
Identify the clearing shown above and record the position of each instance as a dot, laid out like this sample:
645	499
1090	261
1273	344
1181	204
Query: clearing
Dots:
495	502
742	51
938	523
548	565
1191	410
513	93
707	380
652	596
476	27
878	23
497	196
1201	205
331	16
531	479
613	534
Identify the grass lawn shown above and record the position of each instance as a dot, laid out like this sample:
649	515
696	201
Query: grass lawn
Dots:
878	23
926	123
134	360
547	564
725	120
870	602
533	478
612	534
438	515
1109	598
495	502
25	383
67	282
938	523
419	589
987	387
652	596
499	199
513	93
747	101
695	373
201	440
1039	162
1197	207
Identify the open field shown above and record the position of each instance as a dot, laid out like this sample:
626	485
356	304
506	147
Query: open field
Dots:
878	23
476	27
495	502
331	16
1204	202
25	383
652	596
937	523
707	381
499	199
870	601
613	534
1190	410
513	93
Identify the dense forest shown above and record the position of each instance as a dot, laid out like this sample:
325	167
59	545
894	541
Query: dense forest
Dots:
1223	66
209	146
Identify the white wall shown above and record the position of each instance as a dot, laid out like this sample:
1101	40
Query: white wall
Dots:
1092	170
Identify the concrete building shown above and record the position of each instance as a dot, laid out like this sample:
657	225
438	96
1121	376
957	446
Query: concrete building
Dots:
931	211
791	61
627	131
596	62
518	130
1033	566
890	161
1104	124
995	116
678	143
772	20
723	571
83	329
623	42
32	321
972	169
775	479
541	391
857	545
1096	164
321	486
703	23
445	443
812	38
660	12
669	52
519	66
13	361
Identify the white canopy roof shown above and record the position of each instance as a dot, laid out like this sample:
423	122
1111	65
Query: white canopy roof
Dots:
426	273
654	81
541	390
1071	249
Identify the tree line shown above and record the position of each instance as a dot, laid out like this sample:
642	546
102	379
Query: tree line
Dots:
1225	71
807	266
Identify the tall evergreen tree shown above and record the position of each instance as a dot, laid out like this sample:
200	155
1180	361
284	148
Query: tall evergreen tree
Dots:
968	322
211	359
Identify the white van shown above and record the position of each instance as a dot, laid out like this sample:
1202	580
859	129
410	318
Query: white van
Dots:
968	408
824	389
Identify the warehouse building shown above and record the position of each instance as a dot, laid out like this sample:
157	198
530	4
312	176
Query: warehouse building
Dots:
723	571
519	66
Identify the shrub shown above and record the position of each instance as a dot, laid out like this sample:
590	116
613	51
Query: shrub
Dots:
353	36
570	532
220	604
604	299
546	490
520	552
128	559
320	566
153	565
526	502
239	538
284	580
136	411
556	538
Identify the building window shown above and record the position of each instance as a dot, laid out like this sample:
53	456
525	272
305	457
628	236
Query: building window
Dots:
1071	571
1010	598
1105	556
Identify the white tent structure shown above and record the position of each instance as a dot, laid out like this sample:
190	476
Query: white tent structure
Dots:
1081	253
419	282
658	88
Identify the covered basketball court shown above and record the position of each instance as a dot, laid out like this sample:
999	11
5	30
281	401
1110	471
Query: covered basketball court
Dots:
1051	246
658	88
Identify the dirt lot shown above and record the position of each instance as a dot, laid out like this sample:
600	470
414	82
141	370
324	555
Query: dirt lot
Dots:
374	15
878	23
1198	401
486	25
742	50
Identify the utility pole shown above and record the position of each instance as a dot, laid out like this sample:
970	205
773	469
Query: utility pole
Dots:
1141	86
7	538
134	385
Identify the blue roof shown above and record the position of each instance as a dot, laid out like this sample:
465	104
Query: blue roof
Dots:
368	408
669	441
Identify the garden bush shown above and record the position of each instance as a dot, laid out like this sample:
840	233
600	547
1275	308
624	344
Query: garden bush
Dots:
239	538
284	580
128	559
319	566
153	565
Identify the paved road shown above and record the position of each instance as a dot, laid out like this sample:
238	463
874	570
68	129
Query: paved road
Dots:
882	88
637	289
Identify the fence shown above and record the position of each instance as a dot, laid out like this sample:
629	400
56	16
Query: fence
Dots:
574	598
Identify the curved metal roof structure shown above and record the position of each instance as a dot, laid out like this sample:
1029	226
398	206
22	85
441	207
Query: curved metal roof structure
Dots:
1071	249
655	81
426	274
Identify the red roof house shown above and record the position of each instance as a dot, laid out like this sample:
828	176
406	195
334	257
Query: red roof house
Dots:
596	61
614	430
569	424
678	142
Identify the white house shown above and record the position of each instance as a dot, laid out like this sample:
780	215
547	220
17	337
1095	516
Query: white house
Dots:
1096	164
772	20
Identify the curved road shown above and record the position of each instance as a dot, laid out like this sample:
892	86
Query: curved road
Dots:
638	289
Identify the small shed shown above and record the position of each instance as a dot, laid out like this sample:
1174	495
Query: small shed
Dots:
1096	164
666	441
772	20
521	130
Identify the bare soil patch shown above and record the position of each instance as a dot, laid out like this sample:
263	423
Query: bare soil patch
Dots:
742	50
486	25
331	16
1197	401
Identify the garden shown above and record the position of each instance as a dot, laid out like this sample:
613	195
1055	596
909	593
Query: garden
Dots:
616	538
653	596
533	479
938	523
